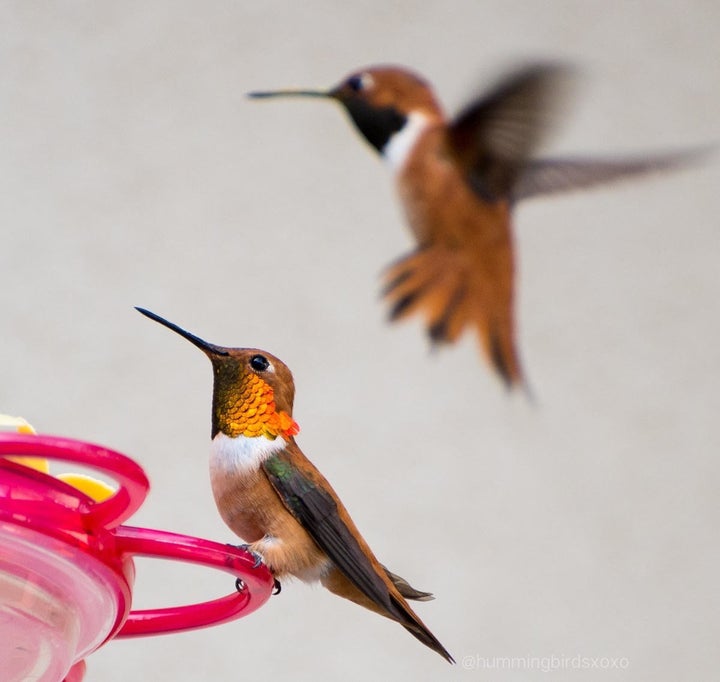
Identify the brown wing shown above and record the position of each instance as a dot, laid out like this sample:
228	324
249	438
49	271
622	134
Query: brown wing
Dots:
494	136
551	176
311	500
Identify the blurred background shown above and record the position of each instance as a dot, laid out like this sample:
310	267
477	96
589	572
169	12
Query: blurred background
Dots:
133	171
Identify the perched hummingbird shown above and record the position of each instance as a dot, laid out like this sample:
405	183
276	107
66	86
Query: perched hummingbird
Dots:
272	496
458	182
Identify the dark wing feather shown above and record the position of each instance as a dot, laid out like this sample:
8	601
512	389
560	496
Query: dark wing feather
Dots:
317	511
305	496
550	176
493	137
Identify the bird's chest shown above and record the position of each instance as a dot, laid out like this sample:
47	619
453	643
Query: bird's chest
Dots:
431	189
441	207
243	495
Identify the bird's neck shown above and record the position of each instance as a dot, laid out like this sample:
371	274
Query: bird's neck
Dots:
401	144
249	410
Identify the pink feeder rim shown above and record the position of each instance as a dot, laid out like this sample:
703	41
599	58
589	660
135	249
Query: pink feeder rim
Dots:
66	563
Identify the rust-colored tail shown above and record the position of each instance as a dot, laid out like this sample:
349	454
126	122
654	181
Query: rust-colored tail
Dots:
455	289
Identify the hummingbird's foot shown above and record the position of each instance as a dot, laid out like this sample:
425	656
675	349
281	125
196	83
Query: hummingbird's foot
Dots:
248	548
240	585
278	587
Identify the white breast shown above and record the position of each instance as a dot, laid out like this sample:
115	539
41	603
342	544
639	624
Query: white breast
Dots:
241	454
401	144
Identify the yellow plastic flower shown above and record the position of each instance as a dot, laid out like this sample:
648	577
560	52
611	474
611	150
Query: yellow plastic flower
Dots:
92	487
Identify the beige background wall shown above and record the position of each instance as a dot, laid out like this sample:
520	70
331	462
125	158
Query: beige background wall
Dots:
134	172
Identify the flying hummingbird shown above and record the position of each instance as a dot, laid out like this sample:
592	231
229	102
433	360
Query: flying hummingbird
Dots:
274	498
458	181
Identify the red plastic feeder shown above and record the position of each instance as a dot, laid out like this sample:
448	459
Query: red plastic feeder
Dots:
66	563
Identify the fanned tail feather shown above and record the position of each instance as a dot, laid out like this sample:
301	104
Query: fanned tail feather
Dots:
453	293
426	281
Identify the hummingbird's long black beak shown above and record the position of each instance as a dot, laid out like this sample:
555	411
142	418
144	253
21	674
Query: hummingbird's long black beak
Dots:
209	348
291	93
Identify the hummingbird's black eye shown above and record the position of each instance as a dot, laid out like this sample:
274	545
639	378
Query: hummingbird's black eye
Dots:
355	83
259	363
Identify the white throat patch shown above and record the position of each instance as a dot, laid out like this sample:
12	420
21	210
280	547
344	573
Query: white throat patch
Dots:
401	144
241	454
